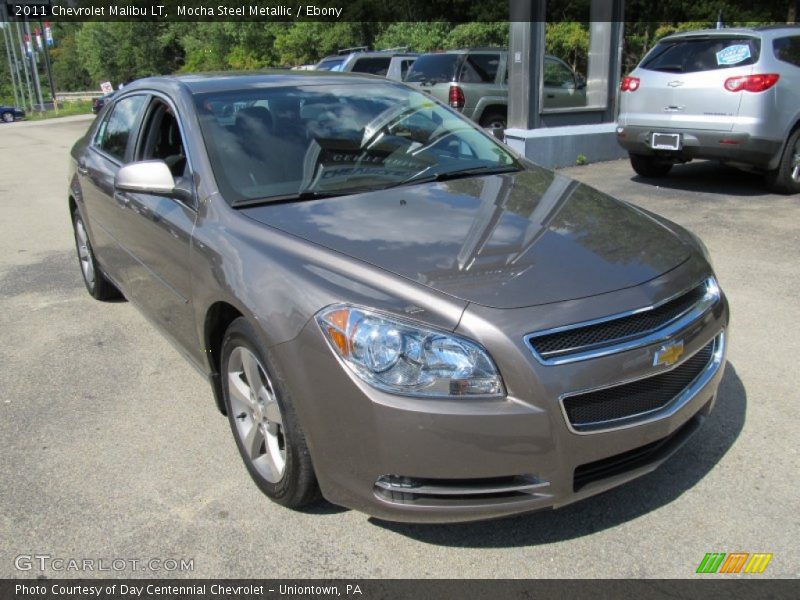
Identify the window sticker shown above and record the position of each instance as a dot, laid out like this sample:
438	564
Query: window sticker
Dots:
733	55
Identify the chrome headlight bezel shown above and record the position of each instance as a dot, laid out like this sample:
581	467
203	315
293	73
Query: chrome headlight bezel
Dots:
408	358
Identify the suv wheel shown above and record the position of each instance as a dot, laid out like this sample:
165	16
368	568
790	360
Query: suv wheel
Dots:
8	117
264	422
98	286
649	166
494	119
786	178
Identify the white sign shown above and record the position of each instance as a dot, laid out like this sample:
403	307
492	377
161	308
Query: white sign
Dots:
106	87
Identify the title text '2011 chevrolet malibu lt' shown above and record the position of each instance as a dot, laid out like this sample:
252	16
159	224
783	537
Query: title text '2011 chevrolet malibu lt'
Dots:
394	310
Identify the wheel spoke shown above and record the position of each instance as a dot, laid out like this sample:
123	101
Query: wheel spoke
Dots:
250	366
273	412
253	441
239	391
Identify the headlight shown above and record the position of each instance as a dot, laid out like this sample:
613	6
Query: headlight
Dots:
403	358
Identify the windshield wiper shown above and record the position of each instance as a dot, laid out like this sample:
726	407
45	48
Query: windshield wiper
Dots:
296	197
459	174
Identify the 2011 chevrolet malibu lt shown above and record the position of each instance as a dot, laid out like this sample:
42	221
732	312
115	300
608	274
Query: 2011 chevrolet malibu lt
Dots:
394	310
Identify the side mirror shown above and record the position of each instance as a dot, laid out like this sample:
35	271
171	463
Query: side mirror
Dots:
151	177
146	177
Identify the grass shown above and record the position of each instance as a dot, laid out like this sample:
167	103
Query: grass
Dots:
65	109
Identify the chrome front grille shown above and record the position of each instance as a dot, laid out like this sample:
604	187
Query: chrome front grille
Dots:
625	331
644	399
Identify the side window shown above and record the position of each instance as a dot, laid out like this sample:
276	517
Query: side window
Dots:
375	66
480	68
162	139
404	66
557	74
112	136
788	50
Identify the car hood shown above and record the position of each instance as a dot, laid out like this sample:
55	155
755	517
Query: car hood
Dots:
505	241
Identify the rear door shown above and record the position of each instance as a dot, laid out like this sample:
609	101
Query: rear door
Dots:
682	83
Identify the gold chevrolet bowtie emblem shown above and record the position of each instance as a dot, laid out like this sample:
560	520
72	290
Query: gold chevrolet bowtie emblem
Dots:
668	354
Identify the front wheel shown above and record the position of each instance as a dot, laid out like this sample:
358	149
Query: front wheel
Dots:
494	119
786	178
263	421
8	117
649	166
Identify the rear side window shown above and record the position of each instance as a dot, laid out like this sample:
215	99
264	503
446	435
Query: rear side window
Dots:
404	66
432	68
330	64
480	68
374	66
788	50
704	54
113	135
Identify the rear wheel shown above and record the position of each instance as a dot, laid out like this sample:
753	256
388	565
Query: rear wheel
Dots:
263	421
98	286
786	178
494	119
8	117
649	166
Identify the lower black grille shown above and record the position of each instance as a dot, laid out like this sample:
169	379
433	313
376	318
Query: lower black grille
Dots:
615	331
601	408
636	458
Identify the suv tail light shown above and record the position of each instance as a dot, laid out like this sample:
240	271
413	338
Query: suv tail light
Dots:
629	84
751	83
456	97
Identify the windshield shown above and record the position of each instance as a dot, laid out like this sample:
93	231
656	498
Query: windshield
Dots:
330	64
704	54
283	142
432	68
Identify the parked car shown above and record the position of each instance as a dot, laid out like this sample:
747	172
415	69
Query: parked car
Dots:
393	63
475	82
726	94
391	307
9	114
99	102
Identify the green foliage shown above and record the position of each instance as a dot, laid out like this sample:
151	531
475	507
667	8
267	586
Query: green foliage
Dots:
421	37
465	35
569	41
581	160
65	109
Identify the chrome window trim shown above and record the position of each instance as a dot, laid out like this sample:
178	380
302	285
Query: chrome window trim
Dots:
653	336
667	410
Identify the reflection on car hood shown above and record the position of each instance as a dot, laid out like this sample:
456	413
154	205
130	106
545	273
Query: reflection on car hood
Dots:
504	241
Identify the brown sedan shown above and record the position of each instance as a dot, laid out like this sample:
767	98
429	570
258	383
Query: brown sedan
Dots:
394	310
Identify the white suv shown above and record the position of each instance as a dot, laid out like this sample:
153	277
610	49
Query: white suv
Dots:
726	94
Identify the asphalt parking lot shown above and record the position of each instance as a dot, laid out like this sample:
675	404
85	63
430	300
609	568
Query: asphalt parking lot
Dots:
113	448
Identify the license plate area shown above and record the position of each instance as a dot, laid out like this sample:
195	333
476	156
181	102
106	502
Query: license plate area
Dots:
666	141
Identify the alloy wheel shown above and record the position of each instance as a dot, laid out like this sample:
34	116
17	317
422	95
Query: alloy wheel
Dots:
256	413
85	253
795	172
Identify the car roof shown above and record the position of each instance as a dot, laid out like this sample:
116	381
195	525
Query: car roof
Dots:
771	30
199	83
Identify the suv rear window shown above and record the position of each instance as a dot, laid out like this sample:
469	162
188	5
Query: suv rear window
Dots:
788	50
480	68
330	64
434	68
702	54
375	66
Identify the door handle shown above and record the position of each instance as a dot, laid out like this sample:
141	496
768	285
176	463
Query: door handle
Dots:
551	95
121	198
82	170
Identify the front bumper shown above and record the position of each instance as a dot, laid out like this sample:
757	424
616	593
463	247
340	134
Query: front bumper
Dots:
422	460
727	146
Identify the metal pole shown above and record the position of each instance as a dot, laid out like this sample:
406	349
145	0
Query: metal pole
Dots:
34	66
47	66
25	67
11	66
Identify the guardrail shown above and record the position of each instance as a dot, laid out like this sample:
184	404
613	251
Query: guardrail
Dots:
67	96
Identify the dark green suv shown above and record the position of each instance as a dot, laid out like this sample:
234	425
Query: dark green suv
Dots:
475	82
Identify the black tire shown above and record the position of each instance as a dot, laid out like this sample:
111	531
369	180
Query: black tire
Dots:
297	486
780	180
494	119
8	117
98	285
649	166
